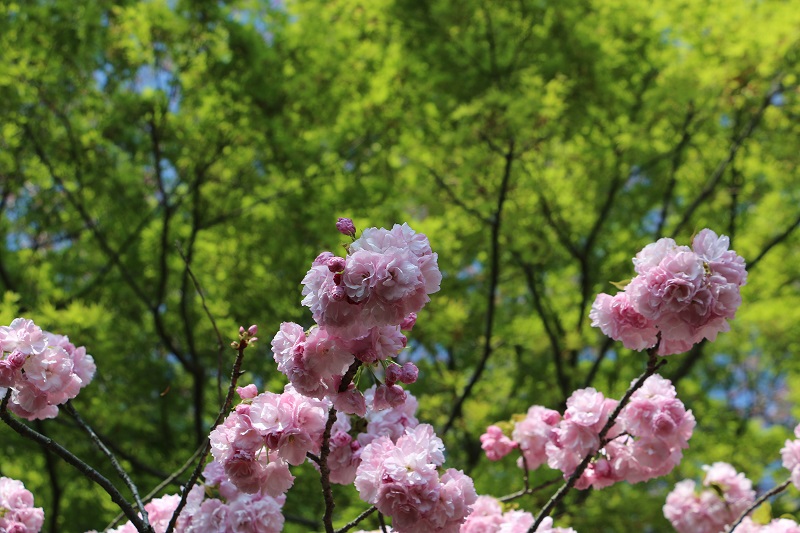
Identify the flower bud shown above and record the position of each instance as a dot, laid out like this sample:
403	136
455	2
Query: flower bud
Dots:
392	374
346	227
336	264
408	322
16	359
252	330
409	373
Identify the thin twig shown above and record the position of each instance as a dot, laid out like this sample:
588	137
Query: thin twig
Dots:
528	490
199	289
169	479
653	364
111	457
325	450
491	294
770	493
357	519
72	459
235	373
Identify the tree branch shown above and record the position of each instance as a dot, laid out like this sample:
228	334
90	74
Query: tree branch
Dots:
764	497
708	190
223	411
69	457
103	448
494	277
653	364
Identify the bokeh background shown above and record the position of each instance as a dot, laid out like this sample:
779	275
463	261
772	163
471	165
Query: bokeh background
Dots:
539	144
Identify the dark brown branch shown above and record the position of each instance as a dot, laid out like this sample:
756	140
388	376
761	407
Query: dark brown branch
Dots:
677	156
494	276
199	289
764	497
712	183
529	490
325	450
55	486
103	448
778	239
455	198
653	364
598	360
236	372
356	520
69	457
554	332
166	481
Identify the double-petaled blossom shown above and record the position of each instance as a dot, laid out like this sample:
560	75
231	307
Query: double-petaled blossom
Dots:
645	440
726	496
258	440
17	513
386	276
402	480
229	510
43	370
679	297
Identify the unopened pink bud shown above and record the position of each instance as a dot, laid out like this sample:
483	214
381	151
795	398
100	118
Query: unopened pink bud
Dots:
336	264
346	227
392	374
241	330
252	330
16	359
395	395
409	373
408	322
338	293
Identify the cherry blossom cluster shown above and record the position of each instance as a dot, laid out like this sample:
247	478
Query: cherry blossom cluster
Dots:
360	303
727	494
488	516
679	296
230	509
266	433
346	445
402	480
645	441
386	275
43	370
17	513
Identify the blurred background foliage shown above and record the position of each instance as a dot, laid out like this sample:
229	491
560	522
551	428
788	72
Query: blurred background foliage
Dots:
538	144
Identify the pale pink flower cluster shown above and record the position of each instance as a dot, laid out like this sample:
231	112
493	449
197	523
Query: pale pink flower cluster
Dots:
790	454
43	370
232	511
346	447
402	480
778	525
645	441
710	510
360	303
17	513
680	295
387	275
258	441
496	444
488	517
315	361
